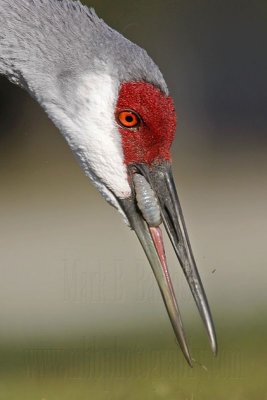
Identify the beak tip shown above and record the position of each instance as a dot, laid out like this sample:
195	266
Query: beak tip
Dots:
214	348
188	357
190	362
213	342
186	352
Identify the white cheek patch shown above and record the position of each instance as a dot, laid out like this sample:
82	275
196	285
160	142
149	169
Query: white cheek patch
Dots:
94	136
97	139
85	117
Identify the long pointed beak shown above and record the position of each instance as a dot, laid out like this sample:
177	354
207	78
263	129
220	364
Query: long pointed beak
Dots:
161	181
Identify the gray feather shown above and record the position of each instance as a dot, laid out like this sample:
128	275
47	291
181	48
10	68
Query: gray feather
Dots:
45	44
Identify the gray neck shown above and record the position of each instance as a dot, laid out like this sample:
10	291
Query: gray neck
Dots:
46	44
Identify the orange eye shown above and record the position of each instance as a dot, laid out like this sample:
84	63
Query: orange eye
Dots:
128	119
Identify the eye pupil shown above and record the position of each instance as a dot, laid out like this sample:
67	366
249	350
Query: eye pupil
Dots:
129	118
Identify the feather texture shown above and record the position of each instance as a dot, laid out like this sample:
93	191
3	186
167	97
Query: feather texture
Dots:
49	39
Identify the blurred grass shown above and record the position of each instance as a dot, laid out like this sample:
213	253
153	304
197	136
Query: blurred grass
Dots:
137	367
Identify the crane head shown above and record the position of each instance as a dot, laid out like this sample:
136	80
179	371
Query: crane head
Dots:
128	157
111	103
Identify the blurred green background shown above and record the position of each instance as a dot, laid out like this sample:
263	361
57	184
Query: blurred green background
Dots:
81	316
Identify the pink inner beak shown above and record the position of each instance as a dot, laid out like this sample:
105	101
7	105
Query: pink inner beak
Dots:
156	234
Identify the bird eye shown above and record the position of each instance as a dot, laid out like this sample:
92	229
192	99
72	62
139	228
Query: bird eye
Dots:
128	119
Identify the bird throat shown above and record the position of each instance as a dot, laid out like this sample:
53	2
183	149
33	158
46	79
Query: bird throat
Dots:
152	139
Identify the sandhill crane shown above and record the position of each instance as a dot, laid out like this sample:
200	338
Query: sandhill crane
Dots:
112	105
